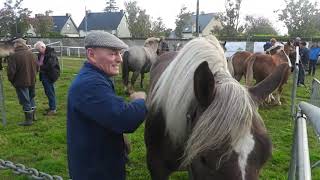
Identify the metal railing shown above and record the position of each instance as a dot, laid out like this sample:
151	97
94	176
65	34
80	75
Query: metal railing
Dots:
300	167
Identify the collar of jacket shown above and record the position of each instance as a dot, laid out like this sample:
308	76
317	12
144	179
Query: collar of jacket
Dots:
21	48
108	78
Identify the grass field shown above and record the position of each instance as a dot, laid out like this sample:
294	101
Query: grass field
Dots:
43	145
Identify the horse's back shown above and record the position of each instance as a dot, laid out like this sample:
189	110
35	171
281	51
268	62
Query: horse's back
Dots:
160	65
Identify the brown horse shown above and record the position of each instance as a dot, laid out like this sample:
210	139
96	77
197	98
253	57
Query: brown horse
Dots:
237	64
259	66
201	119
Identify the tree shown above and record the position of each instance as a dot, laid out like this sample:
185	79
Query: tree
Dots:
158	28
43	24
139	22
230	19
14	20
259	25
111	6
300	17
183	18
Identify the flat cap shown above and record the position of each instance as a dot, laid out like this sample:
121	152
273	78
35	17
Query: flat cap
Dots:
104	40
20	40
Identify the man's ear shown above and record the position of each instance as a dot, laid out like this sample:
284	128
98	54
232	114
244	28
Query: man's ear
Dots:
91	55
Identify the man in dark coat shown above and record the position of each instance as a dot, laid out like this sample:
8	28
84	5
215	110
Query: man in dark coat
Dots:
49	73
96	117
22	70
303	64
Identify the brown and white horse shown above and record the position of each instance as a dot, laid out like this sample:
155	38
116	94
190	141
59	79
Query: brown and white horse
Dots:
201	119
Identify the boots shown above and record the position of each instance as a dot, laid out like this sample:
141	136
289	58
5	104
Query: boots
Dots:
34	117
28	119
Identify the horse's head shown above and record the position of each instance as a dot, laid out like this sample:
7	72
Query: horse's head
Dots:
152	43
234	158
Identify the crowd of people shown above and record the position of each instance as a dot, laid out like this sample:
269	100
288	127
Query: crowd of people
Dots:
22	70
308	56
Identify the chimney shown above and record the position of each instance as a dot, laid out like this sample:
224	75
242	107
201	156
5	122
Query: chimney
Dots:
68	14
121	11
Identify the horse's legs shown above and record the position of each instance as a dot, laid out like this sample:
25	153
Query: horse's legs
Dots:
133	79
142	77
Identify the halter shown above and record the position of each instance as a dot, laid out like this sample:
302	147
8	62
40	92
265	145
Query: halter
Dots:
288	59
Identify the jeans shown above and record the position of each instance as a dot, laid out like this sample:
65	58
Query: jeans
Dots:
49	91
312	67
301	74
26	98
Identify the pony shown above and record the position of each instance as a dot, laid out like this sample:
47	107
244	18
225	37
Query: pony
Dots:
237	64
201	119
259	66
138	60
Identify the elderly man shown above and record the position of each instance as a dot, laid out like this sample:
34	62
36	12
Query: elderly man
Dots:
49	73
97	118
22	70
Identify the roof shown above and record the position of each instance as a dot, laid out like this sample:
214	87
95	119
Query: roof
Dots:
204	20
59	22
102	21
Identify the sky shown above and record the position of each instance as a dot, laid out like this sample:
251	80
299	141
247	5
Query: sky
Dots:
166	9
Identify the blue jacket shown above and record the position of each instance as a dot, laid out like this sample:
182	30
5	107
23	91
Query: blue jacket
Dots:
304	53
314	54
96	121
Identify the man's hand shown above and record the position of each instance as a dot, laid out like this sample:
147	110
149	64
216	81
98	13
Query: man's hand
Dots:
138	95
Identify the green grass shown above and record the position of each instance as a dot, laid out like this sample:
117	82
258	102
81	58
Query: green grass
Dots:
43	145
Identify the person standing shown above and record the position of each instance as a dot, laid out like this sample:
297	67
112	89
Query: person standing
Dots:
304	59
21	71
96	116
49	73
313	56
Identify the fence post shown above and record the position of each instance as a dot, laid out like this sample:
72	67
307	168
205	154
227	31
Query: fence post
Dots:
304	170
295	83
3	110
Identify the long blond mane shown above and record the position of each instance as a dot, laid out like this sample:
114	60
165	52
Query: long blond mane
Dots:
229	116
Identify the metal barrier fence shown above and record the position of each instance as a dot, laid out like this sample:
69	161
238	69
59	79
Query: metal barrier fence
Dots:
300	167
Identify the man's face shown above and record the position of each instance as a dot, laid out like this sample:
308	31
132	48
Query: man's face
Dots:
108	60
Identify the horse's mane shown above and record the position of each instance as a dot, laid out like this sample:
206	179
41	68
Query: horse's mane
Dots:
152	43
227	119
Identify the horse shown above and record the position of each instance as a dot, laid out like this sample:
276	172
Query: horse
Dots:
237	64
259	66
6	48
201	119
138	60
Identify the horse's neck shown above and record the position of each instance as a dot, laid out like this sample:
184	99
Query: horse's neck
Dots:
151	55
280	57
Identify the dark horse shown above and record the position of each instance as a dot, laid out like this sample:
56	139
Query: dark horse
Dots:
138	59
259	66
201	119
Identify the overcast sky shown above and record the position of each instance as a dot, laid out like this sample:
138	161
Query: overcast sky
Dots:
166	9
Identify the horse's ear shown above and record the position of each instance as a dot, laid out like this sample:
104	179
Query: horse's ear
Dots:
271	83
203	84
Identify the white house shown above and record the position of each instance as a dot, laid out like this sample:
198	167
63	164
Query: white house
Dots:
112	22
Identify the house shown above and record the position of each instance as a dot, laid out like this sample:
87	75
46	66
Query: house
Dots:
65	26
207	22
112	22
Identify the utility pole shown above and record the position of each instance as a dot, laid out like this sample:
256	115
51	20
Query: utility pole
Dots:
86	21
197	19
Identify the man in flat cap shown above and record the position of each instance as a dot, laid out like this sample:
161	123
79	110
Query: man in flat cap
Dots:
96	117
22	70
